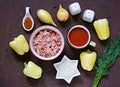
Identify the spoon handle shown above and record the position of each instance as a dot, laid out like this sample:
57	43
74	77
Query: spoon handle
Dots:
27	10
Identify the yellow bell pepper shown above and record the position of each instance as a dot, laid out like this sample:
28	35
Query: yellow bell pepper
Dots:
88	59
32	70
19	45
102	28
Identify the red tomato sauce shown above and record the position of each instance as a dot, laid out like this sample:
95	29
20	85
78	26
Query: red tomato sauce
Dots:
78	37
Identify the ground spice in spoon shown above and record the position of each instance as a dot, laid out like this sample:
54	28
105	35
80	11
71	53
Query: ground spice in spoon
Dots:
28	23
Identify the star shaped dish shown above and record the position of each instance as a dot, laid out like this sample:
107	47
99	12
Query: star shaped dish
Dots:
66	69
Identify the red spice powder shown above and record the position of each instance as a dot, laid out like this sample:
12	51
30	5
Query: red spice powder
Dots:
78	37
28	23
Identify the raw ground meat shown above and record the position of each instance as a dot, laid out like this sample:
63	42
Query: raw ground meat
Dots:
47	43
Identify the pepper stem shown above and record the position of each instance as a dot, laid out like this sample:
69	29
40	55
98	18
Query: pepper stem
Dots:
25	64
88	50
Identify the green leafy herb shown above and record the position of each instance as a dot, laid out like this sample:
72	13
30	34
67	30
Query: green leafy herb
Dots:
107	59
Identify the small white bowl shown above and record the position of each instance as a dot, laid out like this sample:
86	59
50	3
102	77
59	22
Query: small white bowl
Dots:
79	36
41	28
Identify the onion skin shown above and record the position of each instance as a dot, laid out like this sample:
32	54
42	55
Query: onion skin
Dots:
62	14
45	17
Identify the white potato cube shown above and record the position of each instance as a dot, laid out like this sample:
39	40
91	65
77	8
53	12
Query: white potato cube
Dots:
88	15
74	8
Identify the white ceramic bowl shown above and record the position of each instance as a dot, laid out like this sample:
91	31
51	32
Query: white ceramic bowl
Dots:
41	28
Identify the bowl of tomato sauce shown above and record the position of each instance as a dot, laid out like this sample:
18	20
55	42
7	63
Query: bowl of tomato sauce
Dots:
78	36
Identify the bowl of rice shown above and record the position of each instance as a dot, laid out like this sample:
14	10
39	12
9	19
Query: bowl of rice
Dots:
46	42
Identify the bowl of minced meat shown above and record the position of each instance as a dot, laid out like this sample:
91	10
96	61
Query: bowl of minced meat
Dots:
46	42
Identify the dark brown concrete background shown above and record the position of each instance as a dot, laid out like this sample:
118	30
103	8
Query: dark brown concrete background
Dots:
11	64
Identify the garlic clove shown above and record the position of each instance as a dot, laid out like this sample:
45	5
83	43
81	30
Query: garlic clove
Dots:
62	14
